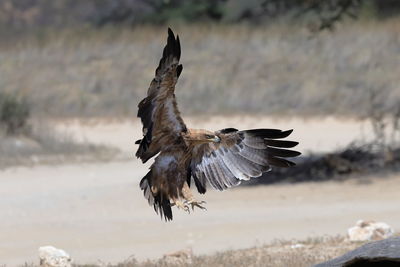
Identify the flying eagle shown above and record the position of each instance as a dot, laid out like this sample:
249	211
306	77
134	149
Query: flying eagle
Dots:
222	159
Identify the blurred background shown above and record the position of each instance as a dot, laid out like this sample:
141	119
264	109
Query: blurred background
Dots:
71	76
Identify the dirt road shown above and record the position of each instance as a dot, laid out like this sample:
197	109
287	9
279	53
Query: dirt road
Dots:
97	212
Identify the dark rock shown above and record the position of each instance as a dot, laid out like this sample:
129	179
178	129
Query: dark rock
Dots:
379	253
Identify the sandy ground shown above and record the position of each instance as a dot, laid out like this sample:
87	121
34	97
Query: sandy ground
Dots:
96	211
315	135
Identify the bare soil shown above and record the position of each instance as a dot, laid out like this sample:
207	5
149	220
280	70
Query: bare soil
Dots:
97	213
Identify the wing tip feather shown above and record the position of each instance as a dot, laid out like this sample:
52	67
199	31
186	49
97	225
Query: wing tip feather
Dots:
173	46
269	133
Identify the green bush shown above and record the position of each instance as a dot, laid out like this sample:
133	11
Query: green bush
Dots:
14	114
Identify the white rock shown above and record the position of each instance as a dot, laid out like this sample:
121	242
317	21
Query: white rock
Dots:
298	245
369	230
52	257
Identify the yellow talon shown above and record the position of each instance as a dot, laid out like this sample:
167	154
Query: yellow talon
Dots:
195	203
181	205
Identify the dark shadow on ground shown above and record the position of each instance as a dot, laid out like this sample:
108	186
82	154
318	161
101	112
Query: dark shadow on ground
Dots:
359	162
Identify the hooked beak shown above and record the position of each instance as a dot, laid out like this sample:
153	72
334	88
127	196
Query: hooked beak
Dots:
216	139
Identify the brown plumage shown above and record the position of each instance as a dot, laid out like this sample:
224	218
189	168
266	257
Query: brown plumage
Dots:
221	159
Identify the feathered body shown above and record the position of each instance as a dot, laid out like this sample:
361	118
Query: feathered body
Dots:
221	159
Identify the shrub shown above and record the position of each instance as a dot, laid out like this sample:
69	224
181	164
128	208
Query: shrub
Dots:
14	113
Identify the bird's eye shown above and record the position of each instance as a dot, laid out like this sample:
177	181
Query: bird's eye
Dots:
209	136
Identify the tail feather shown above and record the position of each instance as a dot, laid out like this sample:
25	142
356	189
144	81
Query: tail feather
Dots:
159	201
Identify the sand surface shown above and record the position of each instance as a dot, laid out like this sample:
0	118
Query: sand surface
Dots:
96	211
315	135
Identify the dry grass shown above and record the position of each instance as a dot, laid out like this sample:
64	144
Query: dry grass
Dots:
276	69
42	145
280	253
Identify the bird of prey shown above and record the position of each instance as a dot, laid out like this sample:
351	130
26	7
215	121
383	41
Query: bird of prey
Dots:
222	159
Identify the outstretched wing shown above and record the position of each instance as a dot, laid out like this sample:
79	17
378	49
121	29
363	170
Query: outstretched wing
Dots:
162	123
240	155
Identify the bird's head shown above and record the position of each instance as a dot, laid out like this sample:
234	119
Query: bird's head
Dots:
211	138
202	137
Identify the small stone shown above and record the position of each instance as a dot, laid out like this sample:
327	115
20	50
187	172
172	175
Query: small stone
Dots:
52	257
369	230
298	245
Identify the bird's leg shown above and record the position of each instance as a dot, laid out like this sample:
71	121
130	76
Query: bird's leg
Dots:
180	205
195	203
189	198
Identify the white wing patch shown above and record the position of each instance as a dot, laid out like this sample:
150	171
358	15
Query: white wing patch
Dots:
230	162
227	167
